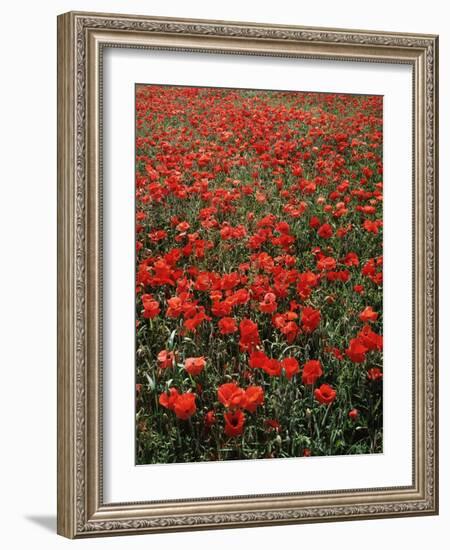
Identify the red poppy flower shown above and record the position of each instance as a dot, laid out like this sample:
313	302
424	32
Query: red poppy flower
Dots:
194	365
183	226
256	359
231	395
312	370
156	236
290	330
234	423
204	159
254	396
151	306
230	281
184	406
227	325
310	319
282	227
368	314
269	304
249	336
166	359
370	339
175	307
221	308
369	267
351	259
325	394
374	374
272	367
306	282
216	295
226	232
326	263
353	414
314	222
356	351
163	274
240	297
371	226
290	366
198	318
203	282
325	231
168	400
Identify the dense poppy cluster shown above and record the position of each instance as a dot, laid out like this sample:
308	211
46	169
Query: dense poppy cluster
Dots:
259	265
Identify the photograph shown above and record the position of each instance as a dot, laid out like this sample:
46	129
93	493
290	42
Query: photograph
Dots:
259	274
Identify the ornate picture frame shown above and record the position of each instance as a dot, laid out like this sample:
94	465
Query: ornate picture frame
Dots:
82	38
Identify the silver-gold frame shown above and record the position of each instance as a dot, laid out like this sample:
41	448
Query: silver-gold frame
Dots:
81	39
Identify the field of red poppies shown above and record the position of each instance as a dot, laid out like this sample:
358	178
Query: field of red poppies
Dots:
259	262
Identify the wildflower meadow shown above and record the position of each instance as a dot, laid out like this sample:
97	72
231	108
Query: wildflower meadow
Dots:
259	271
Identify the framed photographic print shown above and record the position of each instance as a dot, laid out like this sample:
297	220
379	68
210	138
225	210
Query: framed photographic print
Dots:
247	283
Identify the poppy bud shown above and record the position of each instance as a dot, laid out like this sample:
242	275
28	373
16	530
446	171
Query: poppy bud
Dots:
210	418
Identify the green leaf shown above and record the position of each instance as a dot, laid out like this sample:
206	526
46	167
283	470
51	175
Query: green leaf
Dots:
151	381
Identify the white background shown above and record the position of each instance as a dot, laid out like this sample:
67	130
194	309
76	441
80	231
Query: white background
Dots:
28	244
123	481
